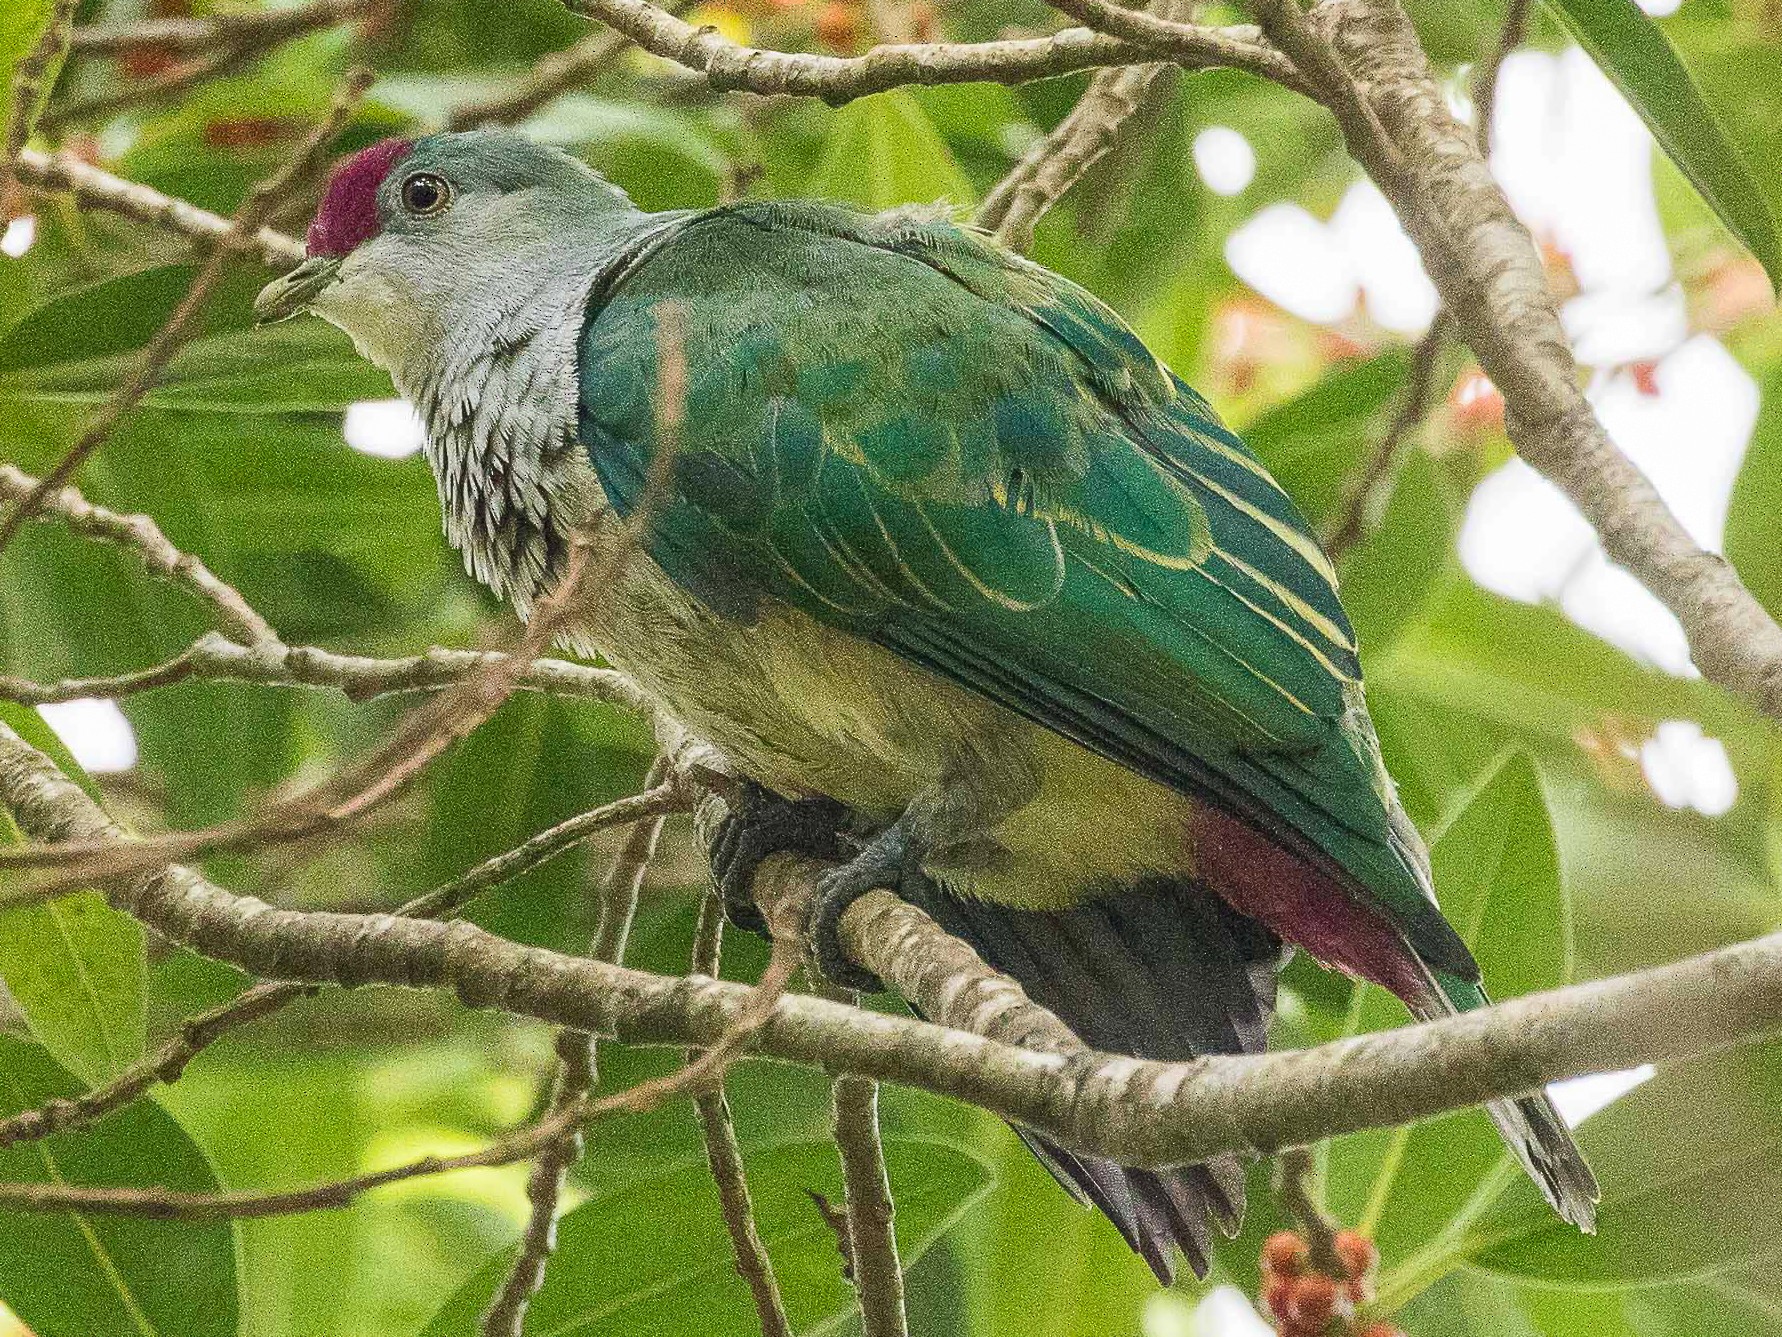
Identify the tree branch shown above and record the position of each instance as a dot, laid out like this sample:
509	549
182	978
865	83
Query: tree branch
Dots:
1135	1111
837	79
198	1033
1367	66
1162	35
95	188
143	537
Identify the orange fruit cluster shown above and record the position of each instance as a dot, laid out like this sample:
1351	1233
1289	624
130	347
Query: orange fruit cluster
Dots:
1304	1302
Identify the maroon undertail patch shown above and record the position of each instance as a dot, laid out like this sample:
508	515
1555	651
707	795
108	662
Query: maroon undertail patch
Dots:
1301	903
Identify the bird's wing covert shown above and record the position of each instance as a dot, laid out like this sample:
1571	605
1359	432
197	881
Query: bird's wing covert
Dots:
902	430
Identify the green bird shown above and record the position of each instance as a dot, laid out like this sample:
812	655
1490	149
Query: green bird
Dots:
980	597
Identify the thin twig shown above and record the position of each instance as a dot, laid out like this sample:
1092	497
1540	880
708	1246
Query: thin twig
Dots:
1355	506
1059	161
256	26
95	188
1509	37
1296	1180
217	47
332	805
872	1242
506	1314
623	882
156	90
577	1072
1358	499
723	1154
160	1204
142	537
198	1033
195	1034
554	75
182	324
212	658
28	92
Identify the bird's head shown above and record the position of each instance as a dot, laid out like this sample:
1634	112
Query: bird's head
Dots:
412	233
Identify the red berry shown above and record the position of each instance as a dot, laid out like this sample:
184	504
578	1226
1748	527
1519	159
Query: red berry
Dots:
1284	1254
1277	1295
1360	1290
1314	1302
1645	377
1356	1252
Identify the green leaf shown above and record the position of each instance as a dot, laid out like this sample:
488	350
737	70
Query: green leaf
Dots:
113	316
1388	578
1634	53
74	966
683	1282
1478	1304
1497	873
1691	1169
1041	1266
1314	441
1751	514
68	1275
883	151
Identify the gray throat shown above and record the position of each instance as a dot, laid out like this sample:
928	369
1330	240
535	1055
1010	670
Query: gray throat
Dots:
499	403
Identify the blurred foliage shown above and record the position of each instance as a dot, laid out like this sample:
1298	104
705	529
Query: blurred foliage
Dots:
1514	735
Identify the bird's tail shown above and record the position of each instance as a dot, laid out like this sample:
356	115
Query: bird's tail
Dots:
1530	1125
1163	971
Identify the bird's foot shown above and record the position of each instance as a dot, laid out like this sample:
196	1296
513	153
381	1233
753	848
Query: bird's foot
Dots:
890	860
760	824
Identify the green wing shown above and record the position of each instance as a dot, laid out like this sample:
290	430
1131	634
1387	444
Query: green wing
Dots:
908	433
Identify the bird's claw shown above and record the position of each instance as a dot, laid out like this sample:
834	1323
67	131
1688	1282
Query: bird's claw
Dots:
760	824
888	861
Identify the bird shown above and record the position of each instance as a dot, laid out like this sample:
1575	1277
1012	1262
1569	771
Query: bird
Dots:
983	602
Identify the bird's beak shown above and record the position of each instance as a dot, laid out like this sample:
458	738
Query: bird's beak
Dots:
284	298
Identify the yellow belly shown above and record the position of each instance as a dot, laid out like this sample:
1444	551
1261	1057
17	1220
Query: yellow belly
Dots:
807	709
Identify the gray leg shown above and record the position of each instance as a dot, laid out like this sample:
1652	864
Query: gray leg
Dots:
940	823
891	859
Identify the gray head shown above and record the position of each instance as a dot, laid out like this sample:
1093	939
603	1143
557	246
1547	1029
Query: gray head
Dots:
409	231
461	264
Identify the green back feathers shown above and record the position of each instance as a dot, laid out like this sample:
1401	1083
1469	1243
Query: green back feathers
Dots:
905	431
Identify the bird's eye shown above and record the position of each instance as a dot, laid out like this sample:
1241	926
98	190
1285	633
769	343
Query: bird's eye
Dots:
424	194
